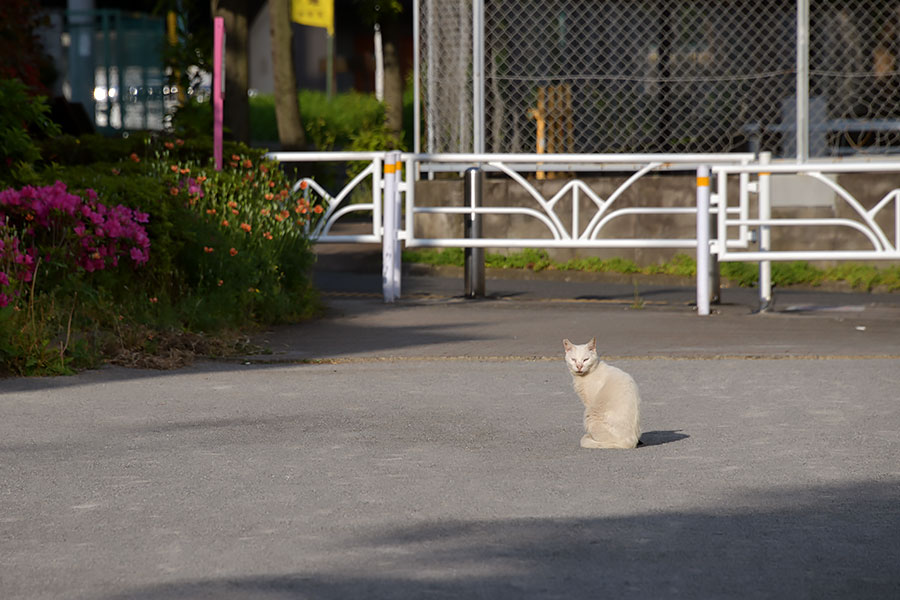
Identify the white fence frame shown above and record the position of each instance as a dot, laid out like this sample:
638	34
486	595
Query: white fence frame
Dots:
726	249
393	207
391	226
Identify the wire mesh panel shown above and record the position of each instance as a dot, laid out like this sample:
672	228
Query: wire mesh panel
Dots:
662	75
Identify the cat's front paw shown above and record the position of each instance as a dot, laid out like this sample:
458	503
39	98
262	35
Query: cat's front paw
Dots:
589	442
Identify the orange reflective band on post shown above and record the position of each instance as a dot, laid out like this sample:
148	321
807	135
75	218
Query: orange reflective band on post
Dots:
390	168
703	182
766	174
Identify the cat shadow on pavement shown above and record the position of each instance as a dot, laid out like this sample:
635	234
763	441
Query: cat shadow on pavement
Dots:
657	438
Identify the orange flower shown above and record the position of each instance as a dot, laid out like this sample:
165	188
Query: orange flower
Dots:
248	163
169	145
115	171
269	196
210	211
285	214
279	218
246	227
267	235
234	211
232	252
271	184
29	217
174	168
135	157
173	190
318	209
233	164
224	223
264	212
201	178
264	168
235	157
232	204
303	184
179	142
208	250
220	283
154	300
184	171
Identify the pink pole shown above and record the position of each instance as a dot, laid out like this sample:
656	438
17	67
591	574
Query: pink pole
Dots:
218	51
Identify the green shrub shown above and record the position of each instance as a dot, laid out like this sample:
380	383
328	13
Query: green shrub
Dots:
23	118
201	276
347	121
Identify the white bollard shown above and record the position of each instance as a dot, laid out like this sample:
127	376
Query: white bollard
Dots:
765	236
703	251
389	231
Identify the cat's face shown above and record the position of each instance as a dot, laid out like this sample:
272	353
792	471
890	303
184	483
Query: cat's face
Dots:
581	358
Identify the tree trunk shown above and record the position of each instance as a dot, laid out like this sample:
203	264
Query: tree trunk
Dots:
393	80
236	115
287	107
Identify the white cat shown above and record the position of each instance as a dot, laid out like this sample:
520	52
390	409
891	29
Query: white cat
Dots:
612	410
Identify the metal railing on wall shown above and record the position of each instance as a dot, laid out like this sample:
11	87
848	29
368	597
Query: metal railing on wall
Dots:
725	229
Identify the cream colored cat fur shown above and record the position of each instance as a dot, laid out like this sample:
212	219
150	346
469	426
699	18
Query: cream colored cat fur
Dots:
610	397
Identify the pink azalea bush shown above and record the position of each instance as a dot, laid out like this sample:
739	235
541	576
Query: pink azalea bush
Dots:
52	224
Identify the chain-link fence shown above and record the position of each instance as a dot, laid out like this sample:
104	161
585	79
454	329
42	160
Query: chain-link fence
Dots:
660	76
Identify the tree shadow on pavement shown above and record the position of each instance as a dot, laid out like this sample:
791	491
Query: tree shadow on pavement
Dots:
814	542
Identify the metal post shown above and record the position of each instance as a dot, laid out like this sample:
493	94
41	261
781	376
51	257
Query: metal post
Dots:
430	73
389	235
802	80
398	223
478	76
765	235
217	87
474	269
417	91
714	274
703	253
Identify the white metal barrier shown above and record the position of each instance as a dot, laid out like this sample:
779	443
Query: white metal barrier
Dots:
726	248
333	209
545	210
393	207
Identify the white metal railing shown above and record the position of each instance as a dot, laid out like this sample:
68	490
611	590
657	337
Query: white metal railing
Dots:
881	245
725	228
545	209
335	206
394	209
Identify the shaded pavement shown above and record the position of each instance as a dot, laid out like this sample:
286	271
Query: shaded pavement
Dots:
430	449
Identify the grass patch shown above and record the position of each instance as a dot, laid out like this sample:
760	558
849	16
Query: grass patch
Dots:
859	277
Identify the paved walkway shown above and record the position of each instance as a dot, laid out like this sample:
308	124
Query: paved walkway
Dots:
430	449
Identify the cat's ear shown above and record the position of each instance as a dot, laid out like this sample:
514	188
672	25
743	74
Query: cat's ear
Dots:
567	345
592	345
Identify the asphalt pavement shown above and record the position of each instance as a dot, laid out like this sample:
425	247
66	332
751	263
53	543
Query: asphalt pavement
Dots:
429	449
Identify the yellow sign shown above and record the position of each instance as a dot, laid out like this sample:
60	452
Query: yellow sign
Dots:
315	13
